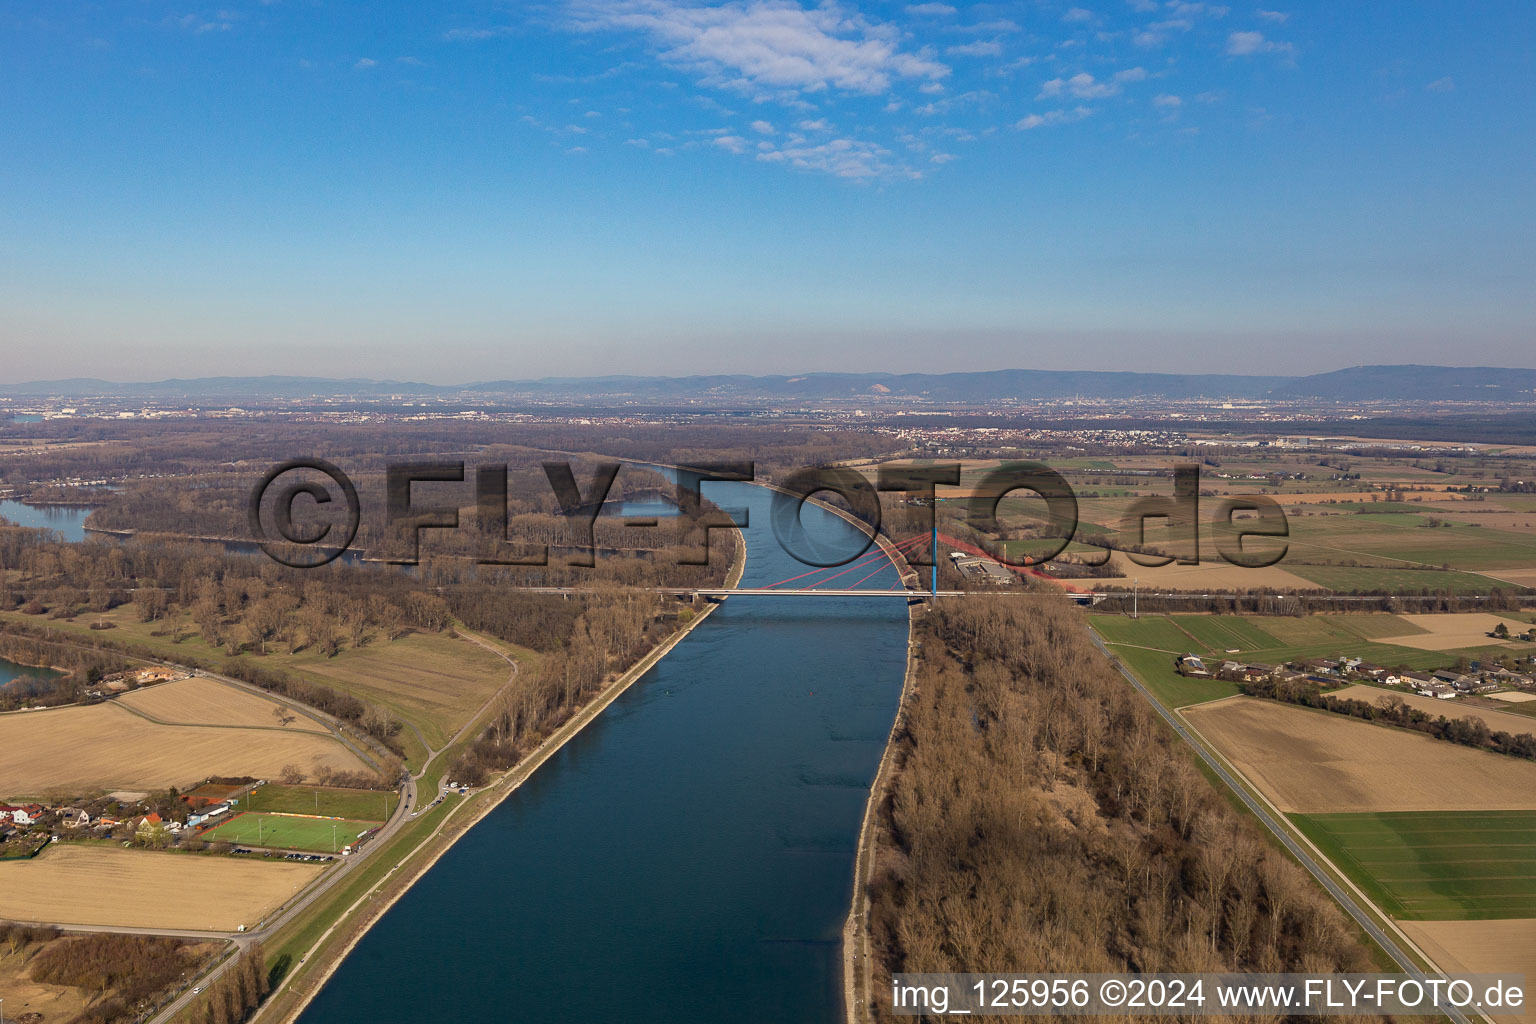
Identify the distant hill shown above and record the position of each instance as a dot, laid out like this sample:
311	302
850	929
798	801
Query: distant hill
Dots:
1360	383
1452	383
982	386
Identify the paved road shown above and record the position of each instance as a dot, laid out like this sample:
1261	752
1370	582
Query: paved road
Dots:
1282	832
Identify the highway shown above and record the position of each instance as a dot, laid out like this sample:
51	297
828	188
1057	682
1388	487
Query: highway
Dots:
1282	832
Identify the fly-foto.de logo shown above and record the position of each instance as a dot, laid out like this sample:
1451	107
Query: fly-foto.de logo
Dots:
306	512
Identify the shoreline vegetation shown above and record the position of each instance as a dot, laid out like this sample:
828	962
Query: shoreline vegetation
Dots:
294	992
1039	818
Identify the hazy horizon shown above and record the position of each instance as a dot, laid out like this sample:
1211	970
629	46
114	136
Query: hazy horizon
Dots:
760	186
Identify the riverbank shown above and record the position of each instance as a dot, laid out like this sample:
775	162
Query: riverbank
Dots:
299	988
858	959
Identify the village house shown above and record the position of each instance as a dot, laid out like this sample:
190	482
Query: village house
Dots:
23	816
1191	665
74	817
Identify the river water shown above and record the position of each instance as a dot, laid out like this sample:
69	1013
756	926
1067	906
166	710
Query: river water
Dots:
68	520
689	856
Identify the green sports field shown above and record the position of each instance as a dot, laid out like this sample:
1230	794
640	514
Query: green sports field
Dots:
289	832
1435	865
333	802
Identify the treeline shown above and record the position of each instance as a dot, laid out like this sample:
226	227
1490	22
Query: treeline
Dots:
1042	819
155	449
1390	709
237	993
137	970
66	672
612	631
1263	601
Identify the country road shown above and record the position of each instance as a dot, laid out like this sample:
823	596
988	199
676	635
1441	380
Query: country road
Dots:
408	807
1280	830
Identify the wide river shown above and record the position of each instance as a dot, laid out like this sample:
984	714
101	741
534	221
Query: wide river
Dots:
687	857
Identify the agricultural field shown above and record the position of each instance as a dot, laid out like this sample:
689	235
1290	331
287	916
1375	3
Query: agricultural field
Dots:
109	886
1495	718
1413	641
289	832
1316	762
1435	865
204	701
1353	579
432	680
111	748
1155	670
1458	631
327	801
1480	947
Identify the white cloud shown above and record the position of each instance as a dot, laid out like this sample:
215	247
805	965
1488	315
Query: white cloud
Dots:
471	34
1246	44
365	63
222	21
1143	6
1077	14
821	124
1084	86
1052	117
1167	101
763	128
1446	84
930	10
1189	10
735	143
1278	17
854	159
999	25
942	158
767	44
980	48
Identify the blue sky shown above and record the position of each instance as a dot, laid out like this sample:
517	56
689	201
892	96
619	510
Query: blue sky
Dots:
484	190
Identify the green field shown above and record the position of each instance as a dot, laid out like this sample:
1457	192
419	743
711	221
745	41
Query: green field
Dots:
1435	865
1349	579
1149	645
287	832
1155	669
359	804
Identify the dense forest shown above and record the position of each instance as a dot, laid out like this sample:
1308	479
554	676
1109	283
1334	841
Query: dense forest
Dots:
1041	818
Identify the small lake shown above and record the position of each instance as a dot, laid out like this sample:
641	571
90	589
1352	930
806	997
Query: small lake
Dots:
68	520
10	670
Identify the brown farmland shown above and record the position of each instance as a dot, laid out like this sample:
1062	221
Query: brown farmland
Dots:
70	751
204	701
1480	947
114	887
1313	762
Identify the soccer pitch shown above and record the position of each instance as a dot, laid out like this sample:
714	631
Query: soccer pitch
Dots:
290	832
1435	865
